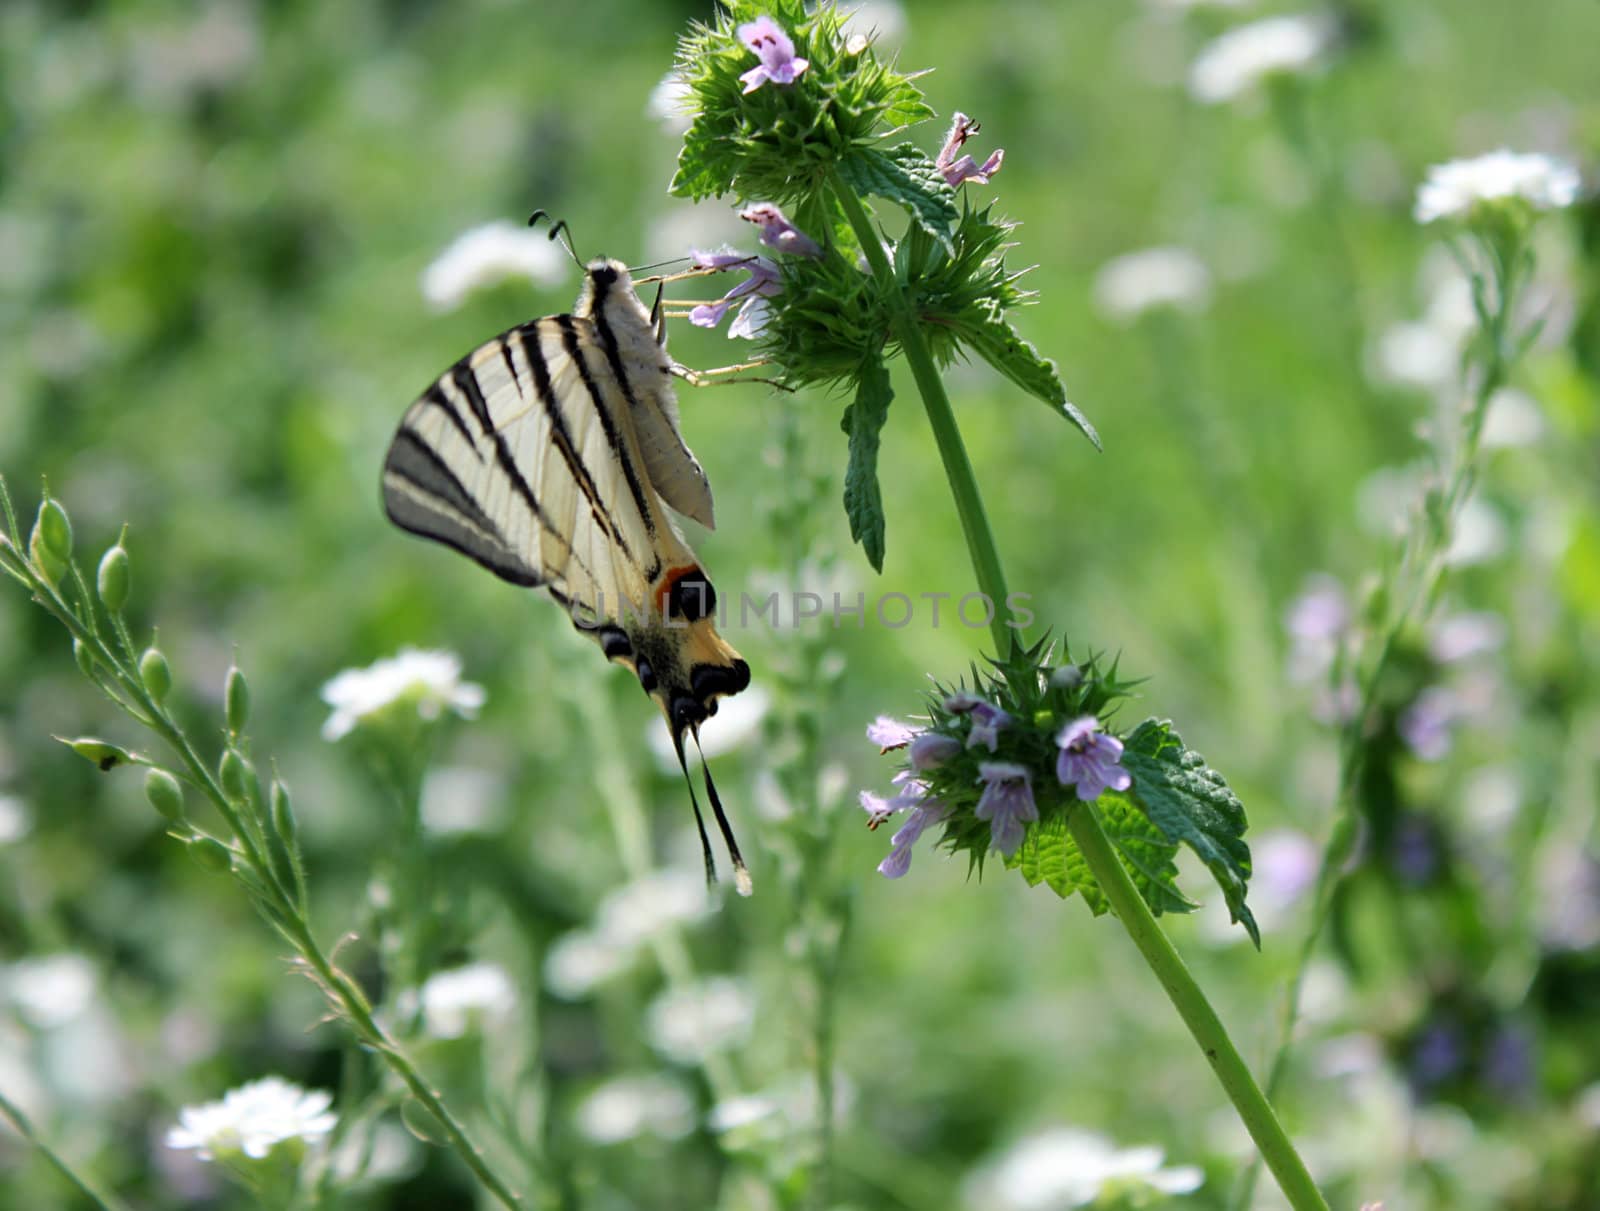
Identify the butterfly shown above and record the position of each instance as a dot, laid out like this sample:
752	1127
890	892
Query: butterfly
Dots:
551	455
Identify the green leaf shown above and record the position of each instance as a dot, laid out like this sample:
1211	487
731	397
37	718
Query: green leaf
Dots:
1190	803
863	420
1145	851
1050	856
988	334
908	178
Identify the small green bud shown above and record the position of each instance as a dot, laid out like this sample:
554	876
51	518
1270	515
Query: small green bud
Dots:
53	530
156	674
283	820
107	756
82	653
211	854
234	772
164	793
112	579
45	561
236	695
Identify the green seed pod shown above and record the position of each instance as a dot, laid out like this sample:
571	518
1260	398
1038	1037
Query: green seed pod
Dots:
236	695
112	579
156	674
211	854
165	795
53	529
283	821
82	653
234	772
106	756
45	561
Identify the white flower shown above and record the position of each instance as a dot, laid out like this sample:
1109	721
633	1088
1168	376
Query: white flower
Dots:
736	723
1453	189
1136	282
489	254
253	1119
462	799
1512	419
1239	61
635	912
1066	1167
630	1106
431	679
670	103
50	990
14	822
580	961
455	1000
687	1024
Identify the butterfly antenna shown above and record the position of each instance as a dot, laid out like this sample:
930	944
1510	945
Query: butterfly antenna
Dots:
559	231
699	820
741	873
677	260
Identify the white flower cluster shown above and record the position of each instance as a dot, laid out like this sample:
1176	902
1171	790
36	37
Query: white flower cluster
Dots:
1238	62
1455	189
457	999
1136	282
489	254
1067	1167
254	1119
431	679
627	919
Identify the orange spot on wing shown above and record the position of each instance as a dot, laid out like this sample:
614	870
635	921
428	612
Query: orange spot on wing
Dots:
664	586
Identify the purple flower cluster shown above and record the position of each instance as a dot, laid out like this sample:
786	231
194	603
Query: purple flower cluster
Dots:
763	283
1087	761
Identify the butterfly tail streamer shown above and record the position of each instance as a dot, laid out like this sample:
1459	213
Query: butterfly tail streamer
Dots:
741	873
699	820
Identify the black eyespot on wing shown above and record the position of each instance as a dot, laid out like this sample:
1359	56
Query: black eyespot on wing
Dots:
710	679
647	675
614	643
691	597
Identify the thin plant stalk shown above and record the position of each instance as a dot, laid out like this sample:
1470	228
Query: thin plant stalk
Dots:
1420	575
1234	1075
20	1123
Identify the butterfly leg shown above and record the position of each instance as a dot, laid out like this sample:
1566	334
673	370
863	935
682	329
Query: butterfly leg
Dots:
714	378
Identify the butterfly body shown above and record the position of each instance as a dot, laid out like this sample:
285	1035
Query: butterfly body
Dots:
551	455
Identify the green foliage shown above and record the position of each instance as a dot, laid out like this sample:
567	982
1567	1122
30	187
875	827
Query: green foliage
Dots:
779	143
1190	803
863	421
907	177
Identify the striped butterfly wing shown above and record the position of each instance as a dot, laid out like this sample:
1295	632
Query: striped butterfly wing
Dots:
548	455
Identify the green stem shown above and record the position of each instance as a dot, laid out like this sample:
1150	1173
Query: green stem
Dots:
19	1121
1420	577
941	416
1158	952
1231	1071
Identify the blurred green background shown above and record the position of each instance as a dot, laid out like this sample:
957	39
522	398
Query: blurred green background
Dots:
213	223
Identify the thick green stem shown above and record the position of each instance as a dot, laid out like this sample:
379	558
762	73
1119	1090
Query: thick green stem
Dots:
1158	952
1234	1075
941	416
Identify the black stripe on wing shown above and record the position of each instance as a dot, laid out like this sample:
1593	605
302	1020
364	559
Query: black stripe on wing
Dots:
561	436
569	335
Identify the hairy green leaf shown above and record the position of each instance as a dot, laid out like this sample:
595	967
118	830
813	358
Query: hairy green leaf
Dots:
908	178
863	421
992	338
1190	803
1050	856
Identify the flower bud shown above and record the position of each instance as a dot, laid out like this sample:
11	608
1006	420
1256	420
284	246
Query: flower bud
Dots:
112	579
235	774
164	793
156	674
45	561
211	854
107	756
52	530
236	695
283	821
